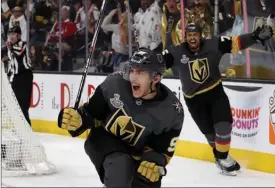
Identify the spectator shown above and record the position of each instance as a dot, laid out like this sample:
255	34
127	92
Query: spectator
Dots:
93	15
171	25
68	27
53	4
147	24
42	16
68	40
171	33
80	21
80	16
5	10
8	5
118	43
31	8
203	17
18	18
36	57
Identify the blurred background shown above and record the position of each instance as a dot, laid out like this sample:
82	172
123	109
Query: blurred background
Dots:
59	33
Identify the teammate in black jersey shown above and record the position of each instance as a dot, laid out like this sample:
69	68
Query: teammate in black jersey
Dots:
135	123
197	62
19	69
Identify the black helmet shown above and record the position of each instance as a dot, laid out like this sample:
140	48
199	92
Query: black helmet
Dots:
148	60
192	27
15	29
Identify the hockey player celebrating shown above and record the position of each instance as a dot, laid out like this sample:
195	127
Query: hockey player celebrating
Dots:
197	61
135	123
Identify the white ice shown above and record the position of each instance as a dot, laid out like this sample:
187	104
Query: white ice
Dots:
76	170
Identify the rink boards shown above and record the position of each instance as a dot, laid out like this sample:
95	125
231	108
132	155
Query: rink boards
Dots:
253	109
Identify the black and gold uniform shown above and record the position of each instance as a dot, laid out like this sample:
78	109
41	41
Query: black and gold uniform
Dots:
202	86
131	140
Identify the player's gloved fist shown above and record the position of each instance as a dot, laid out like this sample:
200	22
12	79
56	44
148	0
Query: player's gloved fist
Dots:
69	119
150	170
262	33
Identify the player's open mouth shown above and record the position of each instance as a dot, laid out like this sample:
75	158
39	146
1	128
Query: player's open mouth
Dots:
135	87
193	41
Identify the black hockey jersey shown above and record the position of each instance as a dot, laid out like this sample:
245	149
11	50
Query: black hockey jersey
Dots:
199	72
142	124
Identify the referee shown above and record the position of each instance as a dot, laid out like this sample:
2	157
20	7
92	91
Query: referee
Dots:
19	69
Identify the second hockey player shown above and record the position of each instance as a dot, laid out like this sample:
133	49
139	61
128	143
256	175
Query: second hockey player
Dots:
197	61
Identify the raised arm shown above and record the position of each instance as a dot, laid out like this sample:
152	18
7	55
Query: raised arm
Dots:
106	24
241	42
168	58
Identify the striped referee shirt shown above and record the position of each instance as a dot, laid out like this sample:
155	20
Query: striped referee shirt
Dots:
19	59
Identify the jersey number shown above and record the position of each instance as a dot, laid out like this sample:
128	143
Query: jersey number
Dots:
224	38
173	144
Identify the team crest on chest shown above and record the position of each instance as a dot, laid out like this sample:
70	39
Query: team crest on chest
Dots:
116	102
199	70
122	126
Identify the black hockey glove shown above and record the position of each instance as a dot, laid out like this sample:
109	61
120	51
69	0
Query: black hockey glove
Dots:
262	33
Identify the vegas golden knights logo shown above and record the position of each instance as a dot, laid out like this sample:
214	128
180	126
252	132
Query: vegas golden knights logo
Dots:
122	126
199	70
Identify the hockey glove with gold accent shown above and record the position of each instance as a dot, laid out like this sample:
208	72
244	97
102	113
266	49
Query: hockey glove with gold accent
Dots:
69	119
151	171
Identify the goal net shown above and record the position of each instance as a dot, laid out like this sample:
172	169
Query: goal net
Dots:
21	152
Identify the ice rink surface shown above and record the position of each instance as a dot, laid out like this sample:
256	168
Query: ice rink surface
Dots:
76	170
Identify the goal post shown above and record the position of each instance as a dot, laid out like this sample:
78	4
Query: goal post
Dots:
21	151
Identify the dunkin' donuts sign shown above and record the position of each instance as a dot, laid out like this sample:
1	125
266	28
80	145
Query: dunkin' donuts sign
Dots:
246	113
245	121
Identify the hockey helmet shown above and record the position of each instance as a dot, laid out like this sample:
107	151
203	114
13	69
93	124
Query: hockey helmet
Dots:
148	60
192	27
15	29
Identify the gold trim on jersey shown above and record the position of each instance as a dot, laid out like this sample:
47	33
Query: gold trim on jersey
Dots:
199	70
203	90
122	126
236	46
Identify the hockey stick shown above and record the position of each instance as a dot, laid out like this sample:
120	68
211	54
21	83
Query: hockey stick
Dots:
84	75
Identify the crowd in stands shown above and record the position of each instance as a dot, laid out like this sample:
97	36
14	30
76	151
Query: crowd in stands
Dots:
150	23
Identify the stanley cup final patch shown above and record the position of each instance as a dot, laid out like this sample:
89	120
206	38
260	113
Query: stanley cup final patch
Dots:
184	59
116	102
